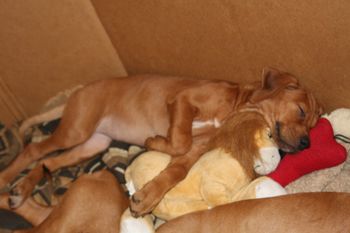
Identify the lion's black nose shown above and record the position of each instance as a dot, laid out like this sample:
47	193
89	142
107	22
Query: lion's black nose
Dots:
304	143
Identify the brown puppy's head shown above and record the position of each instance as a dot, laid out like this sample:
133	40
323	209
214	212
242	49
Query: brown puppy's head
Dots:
290	110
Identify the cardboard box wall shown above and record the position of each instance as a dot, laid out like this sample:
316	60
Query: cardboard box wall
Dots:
47	46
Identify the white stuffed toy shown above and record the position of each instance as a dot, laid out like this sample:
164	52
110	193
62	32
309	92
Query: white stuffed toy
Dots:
340	120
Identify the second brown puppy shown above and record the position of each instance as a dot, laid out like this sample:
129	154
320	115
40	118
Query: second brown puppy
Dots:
296	213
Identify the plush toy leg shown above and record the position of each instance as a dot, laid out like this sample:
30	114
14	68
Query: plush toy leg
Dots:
324	152
269	188
129	224
260	188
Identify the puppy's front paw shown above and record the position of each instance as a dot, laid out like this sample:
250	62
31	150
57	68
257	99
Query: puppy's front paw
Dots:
157	143
145	200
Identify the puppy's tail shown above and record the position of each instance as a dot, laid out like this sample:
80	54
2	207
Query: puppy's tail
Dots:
50	115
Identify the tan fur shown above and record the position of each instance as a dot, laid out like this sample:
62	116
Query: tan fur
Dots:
297	213
158	112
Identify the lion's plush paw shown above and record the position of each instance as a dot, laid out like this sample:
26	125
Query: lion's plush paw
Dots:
130	224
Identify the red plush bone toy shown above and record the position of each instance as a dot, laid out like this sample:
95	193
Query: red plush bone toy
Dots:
324	152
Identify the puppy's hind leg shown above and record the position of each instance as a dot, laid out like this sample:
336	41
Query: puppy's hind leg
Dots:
30	210
66	136
31	153
97	143
78	123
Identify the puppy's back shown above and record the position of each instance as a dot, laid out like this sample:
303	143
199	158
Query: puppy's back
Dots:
299	213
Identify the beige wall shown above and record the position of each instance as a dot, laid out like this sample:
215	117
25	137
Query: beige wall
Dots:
235	39
46	47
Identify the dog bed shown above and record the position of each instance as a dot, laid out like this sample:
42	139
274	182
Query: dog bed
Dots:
334	179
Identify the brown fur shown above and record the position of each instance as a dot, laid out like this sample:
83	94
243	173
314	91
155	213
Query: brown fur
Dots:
96	204
93	204
158	112
297	213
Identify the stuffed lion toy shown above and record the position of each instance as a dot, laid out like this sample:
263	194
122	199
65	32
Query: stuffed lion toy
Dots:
240	151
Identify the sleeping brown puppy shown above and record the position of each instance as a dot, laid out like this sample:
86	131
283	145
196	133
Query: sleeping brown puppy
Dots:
296	213
169	114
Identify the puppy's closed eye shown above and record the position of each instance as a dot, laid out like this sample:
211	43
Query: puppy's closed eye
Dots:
292	86
301	112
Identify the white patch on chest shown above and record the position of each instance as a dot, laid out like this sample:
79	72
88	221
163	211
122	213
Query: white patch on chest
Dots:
201	124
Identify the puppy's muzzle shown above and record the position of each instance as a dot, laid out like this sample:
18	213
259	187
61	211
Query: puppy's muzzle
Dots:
290	147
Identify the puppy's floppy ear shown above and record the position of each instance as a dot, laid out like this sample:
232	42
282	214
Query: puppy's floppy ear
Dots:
320	109
316	110
273	78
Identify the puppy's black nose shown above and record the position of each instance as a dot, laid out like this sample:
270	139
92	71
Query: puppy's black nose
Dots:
282	153
304	143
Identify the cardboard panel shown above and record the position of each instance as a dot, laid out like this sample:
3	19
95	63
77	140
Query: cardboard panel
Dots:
235	39
10	109
308	38
48	46
186	37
